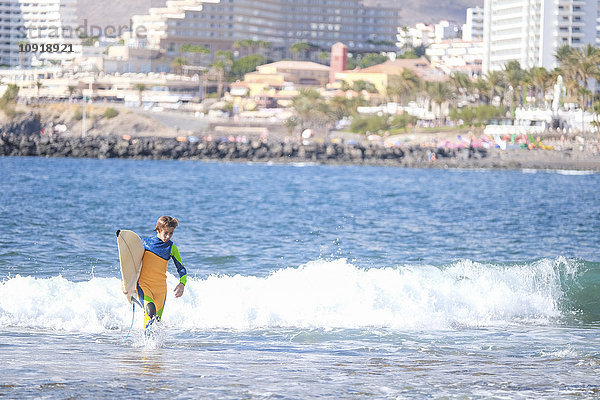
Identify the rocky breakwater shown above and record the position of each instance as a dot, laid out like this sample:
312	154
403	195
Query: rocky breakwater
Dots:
158	148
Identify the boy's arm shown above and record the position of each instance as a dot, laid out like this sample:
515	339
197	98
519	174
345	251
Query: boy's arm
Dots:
178	264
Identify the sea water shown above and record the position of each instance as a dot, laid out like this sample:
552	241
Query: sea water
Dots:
305	281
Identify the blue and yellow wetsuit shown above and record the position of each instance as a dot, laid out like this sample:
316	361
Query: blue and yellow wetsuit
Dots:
152	284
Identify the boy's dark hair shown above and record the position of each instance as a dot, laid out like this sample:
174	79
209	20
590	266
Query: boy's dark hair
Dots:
166	222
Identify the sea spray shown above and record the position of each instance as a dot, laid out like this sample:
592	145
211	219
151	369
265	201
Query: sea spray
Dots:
318	294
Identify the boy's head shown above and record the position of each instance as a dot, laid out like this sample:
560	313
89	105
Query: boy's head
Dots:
165	226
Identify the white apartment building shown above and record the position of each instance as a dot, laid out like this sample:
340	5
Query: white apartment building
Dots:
445	30
419	35
457	56
33	32
218	24
10	23
530	31
473	28
424	34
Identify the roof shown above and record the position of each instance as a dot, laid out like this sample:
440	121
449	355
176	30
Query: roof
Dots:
396	66
306	65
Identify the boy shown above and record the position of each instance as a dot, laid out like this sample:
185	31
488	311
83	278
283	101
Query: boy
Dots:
152	283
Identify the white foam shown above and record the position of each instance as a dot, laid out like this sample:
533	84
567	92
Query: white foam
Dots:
319	294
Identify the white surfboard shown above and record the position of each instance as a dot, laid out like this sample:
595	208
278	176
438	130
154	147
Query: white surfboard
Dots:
131	252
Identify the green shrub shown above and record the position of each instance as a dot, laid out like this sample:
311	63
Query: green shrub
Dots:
370	123
110	113
402	121
78	115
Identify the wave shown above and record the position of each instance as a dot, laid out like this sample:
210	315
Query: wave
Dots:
325	294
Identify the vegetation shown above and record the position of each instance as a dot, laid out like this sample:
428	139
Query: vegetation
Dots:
178	63
140	87
303	48
110	113
472	101
378	124
244	65
476	115
8	100
359	86
222	66
248	47
365	60
88	40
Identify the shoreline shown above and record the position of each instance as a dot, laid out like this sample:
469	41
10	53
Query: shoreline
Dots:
256	150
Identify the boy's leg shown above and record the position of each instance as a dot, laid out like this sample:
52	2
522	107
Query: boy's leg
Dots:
150	313
149	307
159	312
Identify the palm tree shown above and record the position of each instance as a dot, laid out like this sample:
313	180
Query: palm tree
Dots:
178	63
189	48
495	80
297	48
341	106
564	54
250	46
38	85
303	47
140	87
439	93
461	83
222	66
310	110
579	67
483	89
586	62
403	85
514	78
71	90
540	80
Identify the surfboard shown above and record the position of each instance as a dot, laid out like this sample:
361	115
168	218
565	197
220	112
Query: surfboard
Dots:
131	252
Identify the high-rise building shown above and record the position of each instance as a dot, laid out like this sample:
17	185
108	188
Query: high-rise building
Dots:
473	28
11	27
530	31
218	24
33	32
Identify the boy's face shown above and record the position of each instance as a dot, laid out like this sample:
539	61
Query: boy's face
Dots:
165	234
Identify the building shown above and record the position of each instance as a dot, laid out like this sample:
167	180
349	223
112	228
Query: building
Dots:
217	25
34	32
530	31
424	35
445	30
11	27
419	35
57	83
379	74
473	28
285	74
339	60
457	56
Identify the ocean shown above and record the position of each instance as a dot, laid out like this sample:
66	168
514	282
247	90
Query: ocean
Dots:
305	281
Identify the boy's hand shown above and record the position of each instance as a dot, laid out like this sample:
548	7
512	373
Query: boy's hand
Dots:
179	290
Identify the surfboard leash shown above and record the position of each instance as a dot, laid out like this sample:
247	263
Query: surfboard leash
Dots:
132	319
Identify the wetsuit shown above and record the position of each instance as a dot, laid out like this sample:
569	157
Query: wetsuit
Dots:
152	284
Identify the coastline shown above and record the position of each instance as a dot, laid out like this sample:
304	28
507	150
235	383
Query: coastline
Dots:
276	151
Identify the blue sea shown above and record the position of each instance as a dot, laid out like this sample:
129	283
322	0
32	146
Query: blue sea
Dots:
305	281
